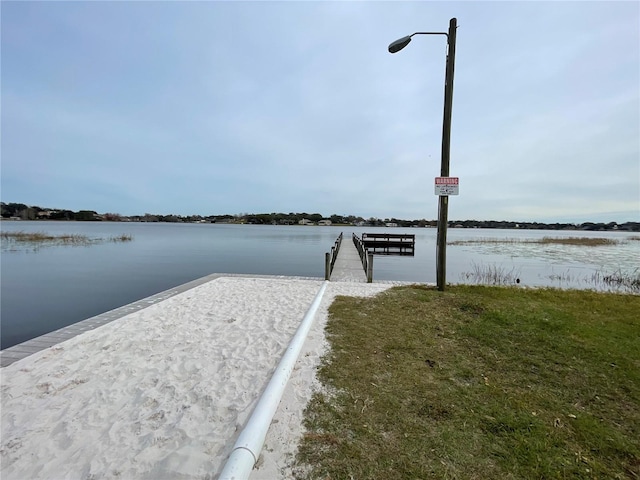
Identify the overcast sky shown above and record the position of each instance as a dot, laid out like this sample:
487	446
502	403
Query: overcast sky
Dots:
257	107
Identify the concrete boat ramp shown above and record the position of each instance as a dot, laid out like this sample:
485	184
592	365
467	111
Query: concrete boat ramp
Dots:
347	269
23	350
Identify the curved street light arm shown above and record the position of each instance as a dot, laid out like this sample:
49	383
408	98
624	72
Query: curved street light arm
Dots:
430	33
404	41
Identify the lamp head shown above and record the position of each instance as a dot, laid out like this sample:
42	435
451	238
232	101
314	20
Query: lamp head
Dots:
399	44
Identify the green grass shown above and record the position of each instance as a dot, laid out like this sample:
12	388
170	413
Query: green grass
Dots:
477	383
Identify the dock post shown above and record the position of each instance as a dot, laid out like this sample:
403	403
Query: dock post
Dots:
327	266
369	267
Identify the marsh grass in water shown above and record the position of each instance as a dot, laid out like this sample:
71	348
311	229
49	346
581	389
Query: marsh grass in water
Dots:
485	241
120	238
40	237
491	275
36	240
618	281
578	241
477	383
629	281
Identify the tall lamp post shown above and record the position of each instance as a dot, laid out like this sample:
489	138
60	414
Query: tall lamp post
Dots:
443	205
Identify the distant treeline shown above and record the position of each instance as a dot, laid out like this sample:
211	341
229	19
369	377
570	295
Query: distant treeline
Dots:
31	212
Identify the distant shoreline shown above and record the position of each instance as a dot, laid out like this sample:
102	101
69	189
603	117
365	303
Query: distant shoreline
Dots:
490	224
21	211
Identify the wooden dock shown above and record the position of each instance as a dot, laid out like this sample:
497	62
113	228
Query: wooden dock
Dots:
389	243
348	266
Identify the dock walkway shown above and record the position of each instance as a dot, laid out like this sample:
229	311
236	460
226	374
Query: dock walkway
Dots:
348	267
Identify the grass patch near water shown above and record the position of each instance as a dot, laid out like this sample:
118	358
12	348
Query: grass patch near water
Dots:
618	281
478	383
39	239
578	241
491	275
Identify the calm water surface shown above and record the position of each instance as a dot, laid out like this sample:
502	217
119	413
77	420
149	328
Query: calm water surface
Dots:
47	288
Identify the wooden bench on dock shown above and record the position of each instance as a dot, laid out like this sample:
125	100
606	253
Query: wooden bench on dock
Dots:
389	243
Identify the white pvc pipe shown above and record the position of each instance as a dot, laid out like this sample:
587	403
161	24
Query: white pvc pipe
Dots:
249	444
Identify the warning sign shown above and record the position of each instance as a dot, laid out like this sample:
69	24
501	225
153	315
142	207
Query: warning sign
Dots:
447	186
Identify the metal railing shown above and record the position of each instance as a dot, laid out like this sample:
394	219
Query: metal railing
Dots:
330	258
365	257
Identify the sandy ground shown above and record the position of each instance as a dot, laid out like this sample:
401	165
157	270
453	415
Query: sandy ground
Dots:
164	392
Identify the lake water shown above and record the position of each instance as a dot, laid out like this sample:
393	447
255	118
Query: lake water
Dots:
46	288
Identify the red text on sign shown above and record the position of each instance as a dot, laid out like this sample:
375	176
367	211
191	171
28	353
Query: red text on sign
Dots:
446	180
